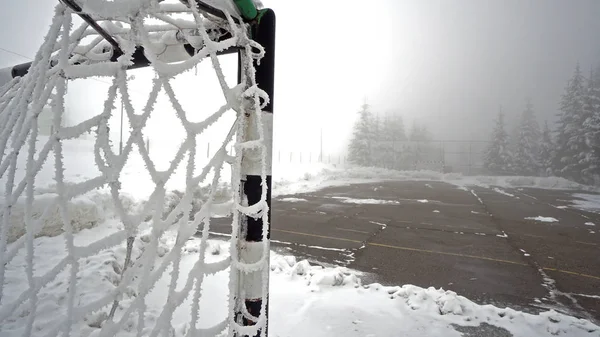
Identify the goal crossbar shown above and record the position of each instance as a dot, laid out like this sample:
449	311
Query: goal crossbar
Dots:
248	11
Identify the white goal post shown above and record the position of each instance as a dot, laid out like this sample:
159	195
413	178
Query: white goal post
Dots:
170	37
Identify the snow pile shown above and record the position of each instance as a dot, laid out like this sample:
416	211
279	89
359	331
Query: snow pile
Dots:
523	181
542	218
587	202
318	301
503	192
293	179
92	208
367	201
85	211
292	199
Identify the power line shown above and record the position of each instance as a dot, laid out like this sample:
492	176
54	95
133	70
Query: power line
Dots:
15	53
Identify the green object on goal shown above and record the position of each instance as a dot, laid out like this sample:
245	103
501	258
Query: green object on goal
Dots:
247	9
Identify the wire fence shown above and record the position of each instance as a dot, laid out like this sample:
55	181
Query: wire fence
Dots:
447	156
466	157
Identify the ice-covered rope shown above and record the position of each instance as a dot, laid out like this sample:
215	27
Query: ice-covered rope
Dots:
63	56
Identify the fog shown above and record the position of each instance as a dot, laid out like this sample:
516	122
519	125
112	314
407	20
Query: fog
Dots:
446	64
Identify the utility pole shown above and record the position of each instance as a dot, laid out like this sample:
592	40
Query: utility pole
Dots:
321	155
470	155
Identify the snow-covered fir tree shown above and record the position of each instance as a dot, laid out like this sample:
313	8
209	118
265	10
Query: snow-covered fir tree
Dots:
392	136
398	138
526	157
386	138
378	148
546	151
590	157
361	144
398	133
570	140
421	148
498	158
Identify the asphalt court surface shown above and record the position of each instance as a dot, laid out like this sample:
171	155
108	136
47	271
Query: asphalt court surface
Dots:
475	241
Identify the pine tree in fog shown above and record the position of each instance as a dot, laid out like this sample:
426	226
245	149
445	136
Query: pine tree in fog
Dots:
498	159
590	157
392	137
546	151
396	128
361	144
526	156
570	140
378	148
419	133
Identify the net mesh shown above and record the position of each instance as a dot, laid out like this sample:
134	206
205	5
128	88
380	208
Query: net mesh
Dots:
26	304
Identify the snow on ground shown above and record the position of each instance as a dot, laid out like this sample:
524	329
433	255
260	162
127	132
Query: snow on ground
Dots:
590	224
292	199
496	189
367	201
305	300
542	218
330	174
524	252
587	202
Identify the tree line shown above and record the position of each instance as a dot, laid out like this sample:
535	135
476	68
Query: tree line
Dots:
384	142
571	150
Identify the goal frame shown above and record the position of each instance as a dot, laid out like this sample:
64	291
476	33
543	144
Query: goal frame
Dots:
262	24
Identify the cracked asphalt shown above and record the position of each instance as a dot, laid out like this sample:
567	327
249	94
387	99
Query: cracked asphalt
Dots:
475	241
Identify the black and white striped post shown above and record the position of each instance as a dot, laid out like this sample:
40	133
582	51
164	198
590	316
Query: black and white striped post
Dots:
251	284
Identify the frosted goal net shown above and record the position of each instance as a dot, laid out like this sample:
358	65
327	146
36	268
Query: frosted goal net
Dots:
146	270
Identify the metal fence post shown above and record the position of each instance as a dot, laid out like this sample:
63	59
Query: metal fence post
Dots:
470	156
444	155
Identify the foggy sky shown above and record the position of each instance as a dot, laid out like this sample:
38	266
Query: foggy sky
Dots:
448	64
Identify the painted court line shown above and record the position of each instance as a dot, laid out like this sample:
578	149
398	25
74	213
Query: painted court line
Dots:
351	230
439	253
532	235
315	235
571	273
446	253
